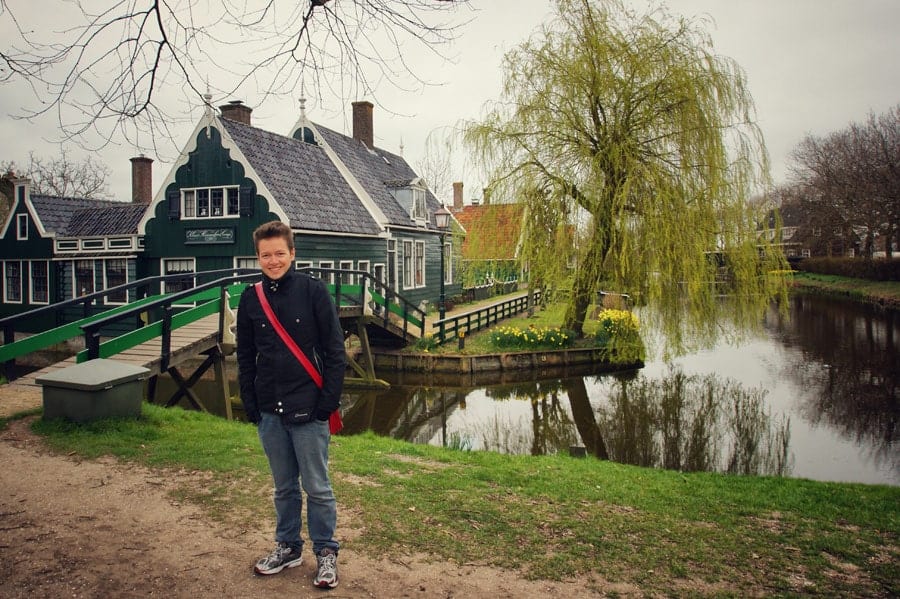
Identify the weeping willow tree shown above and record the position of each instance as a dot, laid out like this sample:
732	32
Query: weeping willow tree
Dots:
635	151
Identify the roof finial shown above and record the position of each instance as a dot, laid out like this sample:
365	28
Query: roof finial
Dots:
401	146
210	114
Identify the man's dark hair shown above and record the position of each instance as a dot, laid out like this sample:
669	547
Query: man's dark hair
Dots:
275	228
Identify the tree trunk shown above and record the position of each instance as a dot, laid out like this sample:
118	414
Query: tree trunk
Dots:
587	276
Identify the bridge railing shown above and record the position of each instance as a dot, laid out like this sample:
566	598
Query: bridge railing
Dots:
460	325
360	288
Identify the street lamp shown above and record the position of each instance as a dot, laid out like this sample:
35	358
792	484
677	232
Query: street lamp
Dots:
442	221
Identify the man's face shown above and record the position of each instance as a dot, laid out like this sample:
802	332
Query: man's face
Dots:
274	257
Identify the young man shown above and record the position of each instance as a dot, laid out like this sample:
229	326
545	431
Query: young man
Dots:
286	404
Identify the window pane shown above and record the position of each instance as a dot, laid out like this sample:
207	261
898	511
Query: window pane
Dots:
190	204
234	206
116	274
174	267
420	264
13	275
217	200
84	277
202	202
40	292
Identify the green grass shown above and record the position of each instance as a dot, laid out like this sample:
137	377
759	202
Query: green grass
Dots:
549	517
882	292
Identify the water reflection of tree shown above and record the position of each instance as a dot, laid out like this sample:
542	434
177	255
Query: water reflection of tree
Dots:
683	422
849	361
550	426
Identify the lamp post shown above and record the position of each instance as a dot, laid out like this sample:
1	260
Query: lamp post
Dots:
442	221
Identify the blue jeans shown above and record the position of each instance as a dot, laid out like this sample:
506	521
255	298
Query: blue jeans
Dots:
300	451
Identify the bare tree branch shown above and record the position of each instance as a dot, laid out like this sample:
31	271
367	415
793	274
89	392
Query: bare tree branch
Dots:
117	70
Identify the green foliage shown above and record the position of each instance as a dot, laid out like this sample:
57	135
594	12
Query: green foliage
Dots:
634	121
531	337
619	332
426	344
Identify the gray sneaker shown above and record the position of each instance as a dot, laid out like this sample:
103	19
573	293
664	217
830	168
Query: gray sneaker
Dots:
326	571
283	556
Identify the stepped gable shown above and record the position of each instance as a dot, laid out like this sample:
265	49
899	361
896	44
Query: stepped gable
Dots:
303	181
377	170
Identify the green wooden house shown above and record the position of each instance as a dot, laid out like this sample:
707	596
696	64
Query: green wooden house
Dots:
54	248
351	205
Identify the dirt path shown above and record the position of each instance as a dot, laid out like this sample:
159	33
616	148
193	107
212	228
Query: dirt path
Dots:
100	528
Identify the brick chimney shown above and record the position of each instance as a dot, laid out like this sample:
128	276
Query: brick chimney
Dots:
362	123
457	196
236	111
141	180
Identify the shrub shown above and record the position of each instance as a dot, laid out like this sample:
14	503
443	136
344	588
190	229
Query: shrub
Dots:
619	332
426	343
506	337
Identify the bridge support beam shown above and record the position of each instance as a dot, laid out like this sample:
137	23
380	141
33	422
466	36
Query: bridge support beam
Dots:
215	358
366	370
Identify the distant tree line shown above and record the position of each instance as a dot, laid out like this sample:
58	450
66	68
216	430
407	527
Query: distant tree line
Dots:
848	182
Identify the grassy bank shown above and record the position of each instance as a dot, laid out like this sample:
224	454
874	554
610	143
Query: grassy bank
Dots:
884	293
550	517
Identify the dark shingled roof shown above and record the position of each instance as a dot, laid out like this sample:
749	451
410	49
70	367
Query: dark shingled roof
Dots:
113	220
83	217
377	170
303	181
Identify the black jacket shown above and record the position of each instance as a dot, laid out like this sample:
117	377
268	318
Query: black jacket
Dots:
271	378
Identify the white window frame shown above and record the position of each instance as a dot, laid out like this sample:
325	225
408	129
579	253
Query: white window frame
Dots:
420	264
190	202
66	245
163	269
349	278
448	262
365	266
303	264
21	227
6	282
31	281
93	244
329	277
805	253
120	243
407	261
247	262
419	210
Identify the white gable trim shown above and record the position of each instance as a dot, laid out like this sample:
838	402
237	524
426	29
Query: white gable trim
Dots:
35	218
360	191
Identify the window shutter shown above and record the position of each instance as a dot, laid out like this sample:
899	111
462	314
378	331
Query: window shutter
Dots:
246	200
173	196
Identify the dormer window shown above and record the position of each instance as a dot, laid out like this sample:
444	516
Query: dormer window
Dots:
418	204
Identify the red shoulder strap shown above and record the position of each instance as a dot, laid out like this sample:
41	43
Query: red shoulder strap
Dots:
298	353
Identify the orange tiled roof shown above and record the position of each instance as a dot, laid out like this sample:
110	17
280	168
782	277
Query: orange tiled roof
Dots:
492	230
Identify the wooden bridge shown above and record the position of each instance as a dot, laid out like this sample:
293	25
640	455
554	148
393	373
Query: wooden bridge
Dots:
172	330
178	327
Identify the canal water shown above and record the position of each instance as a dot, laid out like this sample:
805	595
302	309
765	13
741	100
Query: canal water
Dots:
815	396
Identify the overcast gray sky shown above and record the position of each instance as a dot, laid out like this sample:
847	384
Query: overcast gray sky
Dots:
813	66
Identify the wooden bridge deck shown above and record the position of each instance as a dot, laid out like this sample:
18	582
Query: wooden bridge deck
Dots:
187	342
